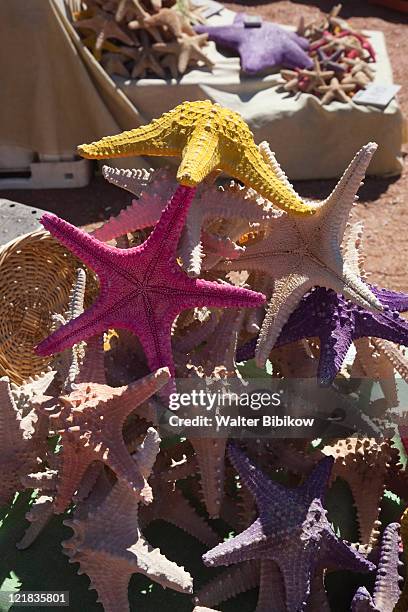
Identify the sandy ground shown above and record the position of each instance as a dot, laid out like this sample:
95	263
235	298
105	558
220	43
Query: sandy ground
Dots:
383	205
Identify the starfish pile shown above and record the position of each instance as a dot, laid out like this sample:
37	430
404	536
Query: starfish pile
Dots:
215	282
142	38
342	60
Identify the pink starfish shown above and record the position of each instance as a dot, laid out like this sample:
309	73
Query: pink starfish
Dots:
143	289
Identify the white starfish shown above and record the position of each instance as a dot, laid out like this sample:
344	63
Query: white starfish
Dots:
299	253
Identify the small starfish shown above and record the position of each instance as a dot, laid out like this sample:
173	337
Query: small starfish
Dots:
317	76
207	137
187	49
386	589
154	188
292	530
23	437
261	48
90	423
109	552
145	61
336	91
105	27
302	252
330	62
143	288
173	22
337	323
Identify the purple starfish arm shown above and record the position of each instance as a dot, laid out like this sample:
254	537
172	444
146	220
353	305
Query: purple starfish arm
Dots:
261	48
141	289
386	588
336	322
246	546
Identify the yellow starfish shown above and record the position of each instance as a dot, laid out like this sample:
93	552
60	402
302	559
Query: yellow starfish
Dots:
207	137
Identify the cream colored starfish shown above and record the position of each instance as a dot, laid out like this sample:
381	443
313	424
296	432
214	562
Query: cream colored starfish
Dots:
146	61
207	137
110	551
300	253
336	91
187	49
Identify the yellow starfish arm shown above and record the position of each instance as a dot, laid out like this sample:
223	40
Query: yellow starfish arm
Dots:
266	182
157	138
200	157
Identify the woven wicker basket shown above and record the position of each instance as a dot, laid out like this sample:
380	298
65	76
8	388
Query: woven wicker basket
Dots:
36	277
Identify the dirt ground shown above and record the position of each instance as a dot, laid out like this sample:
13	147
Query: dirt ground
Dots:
383	205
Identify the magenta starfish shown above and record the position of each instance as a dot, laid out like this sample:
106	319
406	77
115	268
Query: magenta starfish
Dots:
142	289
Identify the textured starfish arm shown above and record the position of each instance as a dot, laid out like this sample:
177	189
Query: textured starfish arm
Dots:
110	580
402	603
297	568
316	483
211	460
201	156
286	296
39	515
135	181
344	555
393	299
196	335
271	588
150	562
334	210
134	217
246	546
179	513
126	469
88	249
334	347
389	327
73	468
87	325
221	295
229	583
355	289
253	477
269	157
386	589
149	449
191	251
133	395
153	139
93	365
222	246
162	242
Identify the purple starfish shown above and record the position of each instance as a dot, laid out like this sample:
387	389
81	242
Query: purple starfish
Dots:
261	48
142	289
292	530
386	588
328	316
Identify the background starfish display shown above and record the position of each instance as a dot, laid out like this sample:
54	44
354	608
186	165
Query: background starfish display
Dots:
139	25
260	48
